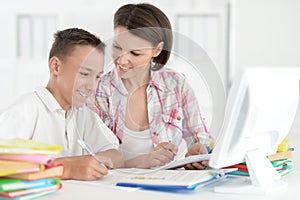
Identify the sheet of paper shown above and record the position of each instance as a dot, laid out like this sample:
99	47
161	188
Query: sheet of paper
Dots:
184	161
109	181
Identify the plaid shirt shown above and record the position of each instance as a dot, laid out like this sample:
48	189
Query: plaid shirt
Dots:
173	109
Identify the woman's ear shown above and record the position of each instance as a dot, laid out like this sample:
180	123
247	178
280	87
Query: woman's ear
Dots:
54	64
158	49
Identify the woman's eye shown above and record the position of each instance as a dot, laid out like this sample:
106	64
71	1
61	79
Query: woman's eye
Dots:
135	54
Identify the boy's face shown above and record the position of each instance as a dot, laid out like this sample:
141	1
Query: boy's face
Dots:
79	75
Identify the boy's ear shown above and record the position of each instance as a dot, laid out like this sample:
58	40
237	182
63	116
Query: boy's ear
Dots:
54	64
158	49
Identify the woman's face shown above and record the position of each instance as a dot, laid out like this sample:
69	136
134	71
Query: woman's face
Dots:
131	54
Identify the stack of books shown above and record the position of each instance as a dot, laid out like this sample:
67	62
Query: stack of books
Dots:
27	170
281	160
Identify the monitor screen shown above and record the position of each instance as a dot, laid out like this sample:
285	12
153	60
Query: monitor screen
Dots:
260	111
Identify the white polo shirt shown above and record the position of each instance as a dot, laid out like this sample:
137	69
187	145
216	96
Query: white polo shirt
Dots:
39	117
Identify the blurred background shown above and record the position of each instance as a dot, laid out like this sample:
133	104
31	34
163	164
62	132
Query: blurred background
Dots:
235	34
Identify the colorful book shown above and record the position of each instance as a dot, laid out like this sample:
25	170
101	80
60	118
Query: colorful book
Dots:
19	193
281	155
24	146
283	167
8	167
49	172
8	185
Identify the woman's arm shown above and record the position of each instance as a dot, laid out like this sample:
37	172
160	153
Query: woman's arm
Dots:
193	125
115	156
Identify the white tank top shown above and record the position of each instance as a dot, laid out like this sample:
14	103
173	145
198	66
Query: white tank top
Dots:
135	143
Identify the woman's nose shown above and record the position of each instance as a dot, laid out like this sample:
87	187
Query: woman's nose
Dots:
123	58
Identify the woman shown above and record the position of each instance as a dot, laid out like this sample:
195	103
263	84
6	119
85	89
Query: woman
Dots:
149	108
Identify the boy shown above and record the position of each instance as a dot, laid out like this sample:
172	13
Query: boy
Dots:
57	114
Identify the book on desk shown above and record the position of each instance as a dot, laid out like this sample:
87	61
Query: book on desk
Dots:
27	169
49	172
173	179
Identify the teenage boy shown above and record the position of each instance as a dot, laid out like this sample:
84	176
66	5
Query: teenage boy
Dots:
57	114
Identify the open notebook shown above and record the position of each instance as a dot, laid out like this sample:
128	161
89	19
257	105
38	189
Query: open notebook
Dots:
173	179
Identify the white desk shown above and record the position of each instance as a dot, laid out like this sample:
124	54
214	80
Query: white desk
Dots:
89	192
78	191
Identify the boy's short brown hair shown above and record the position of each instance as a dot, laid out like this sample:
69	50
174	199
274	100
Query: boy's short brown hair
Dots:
66	40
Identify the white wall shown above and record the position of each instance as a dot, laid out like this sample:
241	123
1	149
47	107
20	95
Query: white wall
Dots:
263	32
21	75
266	32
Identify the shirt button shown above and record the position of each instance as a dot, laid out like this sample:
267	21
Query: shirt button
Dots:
61	112
178	118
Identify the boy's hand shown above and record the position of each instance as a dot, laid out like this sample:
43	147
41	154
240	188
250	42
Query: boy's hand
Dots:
85	168
107	162
197	149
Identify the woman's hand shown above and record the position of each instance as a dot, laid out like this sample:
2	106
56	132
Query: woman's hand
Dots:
162	154
197	149
168	146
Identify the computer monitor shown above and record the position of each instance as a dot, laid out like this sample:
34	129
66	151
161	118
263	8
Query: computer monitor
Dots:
260	111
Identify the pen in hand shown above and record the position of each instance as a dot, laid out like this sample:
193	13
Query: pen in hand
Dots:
85	147
167	146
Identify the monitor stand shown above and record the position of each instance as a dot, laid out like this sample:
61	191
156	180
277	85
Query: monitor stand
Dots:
263	178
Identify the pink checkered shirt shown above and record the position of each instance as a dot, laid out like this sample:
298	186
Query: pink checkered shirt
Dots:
173	109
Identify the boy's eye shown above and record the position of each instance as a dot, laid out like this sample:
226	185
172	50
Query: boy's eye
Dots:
117	47
83	73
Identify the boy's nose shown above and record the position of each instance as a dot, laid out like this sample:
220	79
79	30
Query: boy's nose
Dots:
91	84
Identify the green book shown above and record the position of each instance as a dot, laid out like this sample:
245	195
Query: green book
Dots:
280	163
7	185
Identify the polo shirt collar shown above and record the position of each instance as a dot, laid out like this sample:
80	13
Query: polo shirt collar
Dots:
48	99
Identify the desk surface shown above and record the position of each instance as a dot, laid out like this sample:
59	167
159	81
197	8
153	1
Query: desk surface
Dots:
82	191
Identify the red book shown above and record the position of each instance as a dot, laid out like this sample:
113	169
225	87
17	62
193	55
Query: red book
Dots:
241	167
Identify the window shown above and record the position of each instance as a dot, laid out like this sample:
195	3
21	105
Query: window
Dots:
34	35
